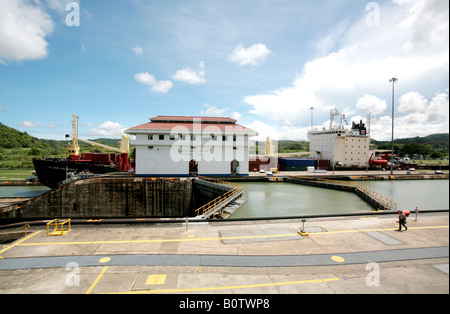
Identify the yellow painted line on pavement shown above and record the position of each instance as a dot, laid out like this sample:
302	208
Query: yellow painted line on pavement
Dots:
160	240
368	230
230	287
212	239
20	241
97	280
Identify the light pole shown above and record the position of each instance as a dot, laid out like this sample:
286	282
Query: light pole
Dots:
393	80
312	108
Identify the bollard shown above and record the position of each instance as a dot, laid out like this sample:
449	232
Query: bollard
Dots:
186	224
417	211
302	231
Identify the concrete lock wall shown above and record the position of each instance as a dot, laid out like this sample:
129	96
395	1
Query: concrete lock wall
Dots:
119	198
111	198
204	191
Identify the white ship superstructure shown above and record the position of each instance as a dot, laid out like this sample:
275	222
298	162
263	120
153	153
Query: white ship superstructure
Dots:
343	147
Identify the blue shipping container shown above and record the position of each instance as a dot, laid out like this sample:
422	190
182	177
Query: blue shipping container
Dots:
297	162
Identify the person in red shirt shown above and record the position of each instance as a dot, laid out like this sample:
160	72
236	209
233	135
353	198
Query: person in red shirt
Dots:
401	220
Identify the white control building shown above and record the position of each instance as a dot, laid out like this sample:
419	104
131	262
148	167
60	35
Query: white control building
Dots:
178	146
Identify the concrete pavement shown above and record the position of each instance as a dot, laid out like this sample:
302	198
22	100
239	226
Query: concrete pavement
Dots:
361	254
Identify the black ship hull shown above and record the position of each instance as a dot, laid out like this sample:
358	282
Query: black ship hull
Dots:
52	172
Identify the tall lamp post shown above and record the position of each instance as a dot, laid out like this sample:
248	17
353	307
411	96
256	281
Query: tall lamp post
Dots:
393	80
312	108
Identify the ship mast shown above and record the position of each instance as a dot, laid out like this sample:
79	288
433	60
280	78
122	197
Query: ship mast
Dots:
73	149
333	113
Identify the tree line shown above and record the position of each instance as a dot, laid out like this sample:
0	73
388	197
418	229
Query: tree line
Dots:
18	148
435	146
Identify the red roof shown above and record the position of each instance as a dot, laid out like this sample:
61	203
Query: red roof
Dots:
191	119
193	123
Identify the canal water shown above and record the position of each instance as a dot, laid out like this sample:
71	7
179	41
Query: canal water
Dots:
22	191
278	199
409	194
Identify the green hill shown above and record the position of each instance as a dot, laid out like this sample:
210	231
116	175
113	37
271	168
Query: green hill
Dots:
12	138
18	148
434	145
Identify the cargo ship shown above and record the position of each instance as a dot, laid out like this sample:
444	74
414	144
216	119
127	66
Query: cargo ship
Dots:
53	172
346	149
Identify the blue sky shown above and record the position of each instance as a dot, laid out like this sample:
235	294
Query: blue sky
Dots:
263	62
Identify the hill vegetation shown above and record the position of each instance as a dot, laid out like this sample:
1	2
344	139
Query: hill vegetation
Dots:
435	146
18	148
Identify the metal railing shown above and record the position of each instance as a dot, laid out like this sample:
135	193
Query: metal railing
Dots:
214	207
372	196
384	202
26	227
58	227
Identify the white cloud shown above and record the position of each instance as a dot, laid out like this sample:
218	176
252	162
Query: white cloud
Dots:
150	80
162	86
253	55
437	111
187	75
372	104
424	117
277	132
412	102
23	29
28	124
427	23
213	111
60	5
137	50
108	128
355	75
145	78
236	116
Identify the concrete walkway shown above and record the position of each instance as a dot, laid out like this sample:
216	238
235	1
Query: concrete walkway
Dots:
340	255
228	260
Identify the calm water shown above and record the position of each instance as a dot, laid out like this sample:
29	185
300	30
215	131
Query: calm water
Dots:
22	191
287	199
425	194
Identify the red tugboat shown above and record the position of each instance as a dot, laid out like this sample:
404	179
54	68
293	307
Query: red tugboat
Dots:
52	172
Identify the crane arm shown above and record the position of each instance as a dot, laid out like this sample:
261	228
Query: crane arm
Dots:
99	145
